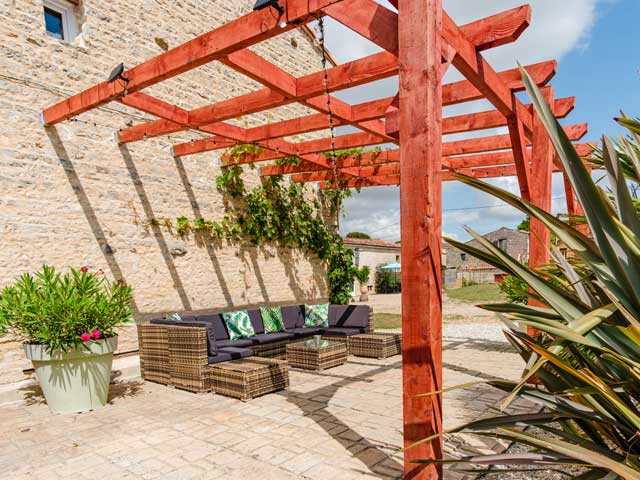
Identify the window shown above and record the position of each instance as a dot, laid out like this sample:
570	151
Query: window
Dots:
53	23
356	257
60	19
463	257
502	244
397	258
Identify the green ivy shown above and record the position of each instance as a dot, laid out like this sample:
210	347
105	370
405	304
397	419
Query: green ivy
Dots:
276	212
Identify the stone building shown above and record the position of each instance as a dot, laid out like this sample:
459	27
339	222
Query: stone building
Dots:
470	269
372	253
70	196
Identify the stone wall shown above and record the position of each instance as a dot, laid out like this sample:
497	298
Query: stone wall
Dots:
72	197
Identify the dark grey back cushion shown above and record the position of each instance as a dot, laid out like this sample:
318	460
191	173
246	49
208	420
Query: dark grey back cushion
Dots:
256	321
219	328
293	316
353	316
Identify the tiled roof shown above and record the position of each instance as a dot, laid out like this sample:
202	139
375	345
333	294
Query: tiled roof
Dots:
363	242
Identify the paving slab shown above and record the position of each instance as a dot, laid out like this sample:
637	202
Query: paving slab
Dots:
342	423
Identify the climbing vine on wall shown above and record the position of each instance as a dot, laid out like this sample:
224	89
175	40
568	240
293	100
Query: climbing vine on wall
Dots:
278	212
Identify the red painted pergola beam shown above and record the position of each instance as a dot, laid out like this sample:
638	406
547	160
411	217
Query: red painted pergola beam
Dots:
463	90
469	122
459	147
505	166
391	180
393	157
281	81
245	31
319	121
352	140
358	72
541	72
483	120
380	25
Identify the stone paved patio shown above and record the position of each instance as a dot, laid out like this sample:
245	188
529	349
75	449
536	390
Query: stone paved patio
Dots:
343	423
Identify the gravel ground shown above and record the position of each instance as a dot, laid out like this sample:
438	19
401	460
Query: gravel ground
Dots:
491	331
558	473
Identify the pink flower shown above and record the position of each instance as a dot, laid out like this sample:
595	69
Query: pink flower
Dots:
85	337
96	334
84	269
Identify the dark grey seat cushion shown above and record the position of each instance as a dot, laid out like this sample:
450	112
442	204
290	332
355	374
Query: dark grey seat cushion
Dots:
240	343
293	316
230	353
211	338
343	332
351	316
271	337
306	331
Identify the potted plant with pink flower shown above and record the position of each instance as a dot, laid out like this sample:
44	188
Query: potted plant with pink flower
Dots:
68	323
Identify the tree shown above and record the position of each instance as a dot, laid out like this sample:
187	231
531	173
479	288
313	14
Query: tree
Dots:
525	224
358	235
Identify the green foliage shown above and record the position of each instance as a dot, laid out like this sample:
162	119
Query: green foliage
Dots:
525	225
362	273
239	153
515	289
293	161
586	353
387	281
275	212
358	235
54	310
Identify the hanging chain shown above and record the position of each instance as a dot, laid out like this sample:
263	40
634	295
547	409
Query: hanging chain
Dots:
325	82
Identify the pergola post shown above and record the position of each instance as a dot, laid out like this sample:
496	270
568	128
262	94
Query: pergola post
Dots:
420	38
541	185
574	208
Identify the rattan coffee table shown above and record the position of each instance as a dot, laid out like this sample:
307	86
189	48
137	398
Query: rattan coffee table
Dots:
375	344
249	377
316	354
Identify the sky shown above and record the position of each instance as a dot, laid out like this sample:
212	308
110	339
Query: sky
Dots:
594	43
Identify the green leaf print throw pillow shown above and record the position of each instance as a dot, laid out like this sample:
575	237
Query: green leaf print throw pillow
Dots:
316	315
239	324
272	319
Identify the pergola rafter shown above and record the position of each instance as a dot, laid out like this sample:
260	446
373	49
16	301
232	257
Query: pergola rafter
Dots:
419	43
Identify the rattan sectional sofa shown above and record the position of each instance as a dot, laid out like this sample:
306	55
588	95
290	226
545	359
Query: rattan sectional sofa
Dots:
183	353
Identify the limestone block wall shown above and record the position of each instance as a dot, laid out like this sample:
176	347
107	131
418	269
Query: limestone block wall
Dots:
70	196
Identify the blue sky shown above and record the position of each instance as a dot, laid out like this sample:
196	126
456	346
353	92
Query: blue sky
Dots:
593	40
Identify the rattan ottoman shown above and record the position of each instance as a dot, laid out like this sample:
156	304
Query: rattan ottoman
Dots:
375	344
316	354
248	378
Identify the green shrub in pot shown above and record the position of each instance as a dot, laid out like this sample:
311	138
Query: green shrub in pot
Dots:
68	323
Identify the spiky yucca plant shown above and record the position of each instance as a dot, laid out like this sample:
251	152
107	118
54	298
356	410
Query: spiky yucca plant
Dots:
586	354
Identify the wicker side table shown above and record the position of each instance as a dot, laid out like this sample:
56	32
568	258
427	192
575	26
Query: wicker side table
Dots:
248	378
376	345
316	354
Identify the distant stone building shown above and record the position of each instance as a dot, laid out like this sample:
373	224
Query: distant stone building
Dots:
460	267
372	253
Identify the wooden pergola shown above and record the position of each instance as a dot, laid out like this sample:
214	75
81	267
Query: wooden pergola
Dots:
419	44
